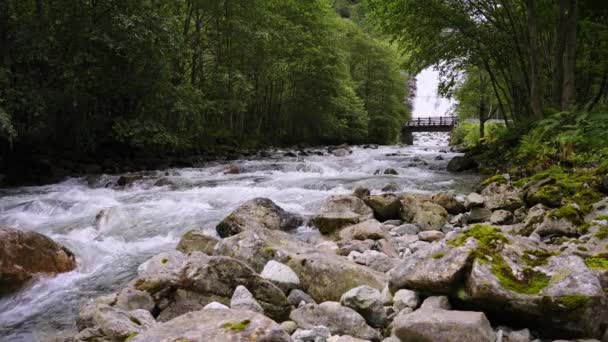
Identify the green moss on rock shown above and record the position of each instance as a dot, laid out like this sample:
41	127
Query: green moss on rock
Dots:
567	212
602	234
602	218
488	237
528	282
536	257
500	179
239	326
573	302
438	255
598	262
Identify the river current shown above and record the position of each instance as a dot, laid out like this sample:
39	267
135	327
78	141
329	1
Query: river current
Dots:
142	219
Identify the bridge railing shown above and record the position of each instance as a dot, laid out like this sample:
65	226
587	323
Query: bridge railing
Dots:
442	121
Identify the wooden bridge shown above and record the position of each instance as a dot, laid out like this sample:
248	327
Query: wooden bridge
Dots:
429	124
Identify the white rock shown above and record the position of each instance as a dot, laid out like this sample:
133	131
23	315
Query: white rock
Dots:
281	275
215	305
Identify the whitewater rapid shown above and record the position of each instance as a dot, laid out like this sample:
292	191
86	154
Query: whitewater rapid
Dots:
143	219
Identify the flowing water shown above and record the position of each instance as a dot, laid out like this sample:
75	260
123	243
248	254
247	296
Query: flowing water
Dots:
143	220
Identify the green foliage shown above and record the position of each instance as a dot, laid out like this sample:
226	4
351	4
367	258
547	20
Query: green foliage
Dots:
500	179
535	257
176	77
467	134
529	281
573	302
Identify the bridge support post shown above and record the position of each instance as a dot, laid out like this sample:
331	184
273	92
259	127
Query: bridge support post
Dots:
407	137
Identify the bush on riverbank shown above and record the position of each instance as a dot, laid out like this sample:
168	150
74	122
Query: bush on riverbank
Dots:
467	134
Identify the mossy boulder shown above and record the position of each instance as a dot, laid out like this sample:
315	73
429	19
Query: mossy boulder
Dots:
502	196
323	275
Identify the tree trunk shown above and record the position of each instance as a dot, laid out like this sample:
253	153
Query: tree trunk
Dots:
568	91
558	56
536	94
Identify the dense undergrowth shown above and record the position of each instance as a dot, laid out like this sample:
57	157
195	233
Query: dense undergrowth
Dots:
568	151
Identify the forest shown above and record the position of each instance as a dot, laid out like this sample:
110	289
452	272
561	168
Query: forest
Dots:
143	77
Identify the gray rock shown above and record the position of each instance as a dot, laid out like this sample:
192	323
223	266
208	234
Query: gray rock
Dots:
501	217
395	223
387	297
420	210
461	163
199	279
551	225
406	229
438	325
114	324
215	325
373	259
535	217
366	301
405	299
345	247
323	275
315	334
289	327
519	216
242	299
258	213
502	196
437	269
431	235
436	302
478	215
131	299
367	230
449	202
281	275
341	211
361	192
298	296
345	338
339	319
474	200
197	241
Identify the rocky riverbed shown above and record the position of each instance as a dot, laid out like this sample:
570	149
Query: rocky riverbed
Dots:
114	223
386	246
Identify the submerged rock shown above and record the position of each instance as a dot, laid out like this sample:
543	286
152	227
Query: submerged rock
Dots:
25	255
258	213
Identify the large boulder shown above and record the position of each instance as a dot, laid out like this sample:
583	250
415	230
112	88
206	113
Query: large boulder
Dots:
386	207
461	163
107	323
339	319
258	213
449	202
197	241
25	255
436	325
502	196
421	211
216	325
181	284
437	269
543	192
323	275
341	211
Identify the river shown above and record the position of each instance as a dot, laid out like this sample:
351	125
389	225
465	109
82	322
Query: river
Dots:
143	220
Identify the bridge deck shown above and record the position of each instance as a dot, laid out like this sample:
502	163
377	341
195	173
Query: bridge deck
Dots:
430	124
